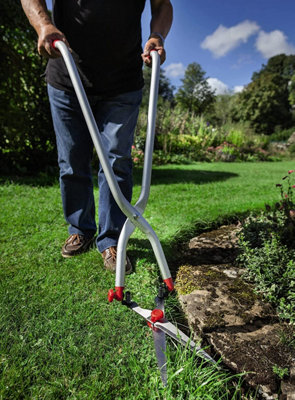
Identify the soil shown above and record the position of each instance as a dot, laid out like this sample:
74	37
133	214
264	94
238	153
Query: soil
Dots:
225	312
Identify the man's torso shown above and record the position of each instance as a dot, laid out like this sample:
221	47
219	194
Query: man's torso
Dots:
105	36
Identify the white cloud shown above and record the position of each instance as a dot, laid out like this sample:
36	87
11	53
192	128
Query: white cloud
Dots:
175	70
238	89
218	86
273	43
225	39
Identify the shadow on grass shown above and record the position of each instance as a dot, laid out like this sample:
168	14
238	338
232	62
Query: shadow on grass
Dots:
167	176
40	179
183	175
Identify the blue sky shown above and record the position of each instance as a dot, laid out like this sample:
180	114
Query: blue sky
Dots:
230	39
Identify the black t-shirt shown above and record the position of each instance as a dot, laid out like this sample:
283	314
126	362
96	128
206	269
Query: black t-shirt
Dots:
105	36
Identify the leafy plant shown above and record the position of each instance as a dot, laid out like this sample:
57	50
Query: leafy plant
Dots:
268	250
280	372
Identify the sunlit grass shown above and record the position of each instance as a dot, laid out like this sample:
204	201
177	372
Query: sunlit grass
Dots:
60	339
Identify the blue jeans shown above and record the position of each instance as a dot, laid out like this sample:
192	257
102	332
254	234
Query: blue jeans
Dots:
116	119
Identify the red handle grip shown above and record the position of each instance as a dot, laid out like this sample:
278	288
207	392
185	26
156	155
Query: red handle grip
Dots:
53	43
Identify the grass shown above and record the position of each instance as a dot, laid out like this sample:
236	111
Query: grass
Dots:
59	337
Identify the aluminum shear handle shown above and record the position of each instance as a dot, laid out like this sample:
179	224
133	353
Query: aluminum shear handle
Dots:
133	214
155	318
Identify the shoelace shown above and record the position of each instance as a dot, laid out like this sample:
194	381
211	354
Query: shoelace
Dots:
75	237
111	253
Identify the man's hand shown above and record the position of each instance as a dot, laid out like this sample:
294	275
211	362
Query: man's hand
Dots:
47	35
39	18
154	43
162	14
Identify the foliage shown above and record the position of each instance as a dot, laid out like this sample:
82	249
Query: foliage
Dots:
27	140
280	64
280	372
137	156
267	245
195	94
281	135
264	103
292	90
183	136
222	110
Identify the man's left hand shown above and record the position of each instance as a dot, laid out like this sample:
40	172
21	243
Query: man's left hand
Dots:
154	43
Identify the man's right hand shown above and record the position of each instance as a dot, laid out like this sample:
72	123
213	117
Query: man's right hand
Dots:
47	35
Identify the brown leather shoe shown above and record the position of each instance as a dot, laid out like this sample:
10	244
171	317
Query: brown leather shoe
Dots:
109	260
76	244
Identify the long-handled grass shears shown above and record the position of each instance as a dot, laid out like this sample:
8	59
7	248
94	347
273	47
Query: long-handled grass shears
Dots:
155	318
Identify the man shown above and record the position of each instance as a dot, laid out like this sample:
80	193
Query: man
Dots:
105	40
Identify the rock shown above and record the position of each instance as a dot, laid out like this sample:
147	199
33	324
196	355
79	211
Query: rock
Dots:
255	351
288	388
218	300
218	246
278	147
291	139
224	311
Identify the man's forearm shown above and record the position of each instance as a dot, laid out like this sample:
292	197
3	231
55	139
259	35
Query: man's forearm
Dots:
162	15
37	14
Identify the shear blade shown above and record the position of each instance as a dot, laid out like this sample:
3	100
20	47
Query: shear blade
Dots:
160	348
171	330
160	344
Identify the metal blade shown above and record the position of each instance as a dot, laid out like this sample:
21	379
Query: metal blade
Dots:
160	348
141	311
181	337
160	344
171	330
159	303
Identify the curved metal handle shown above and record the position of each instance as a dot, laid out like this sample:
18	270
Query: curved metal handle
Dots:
131	212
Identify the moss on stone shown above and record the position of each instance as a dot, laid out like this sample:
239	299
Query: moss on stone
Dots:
190	278
241	293
214	320
186	281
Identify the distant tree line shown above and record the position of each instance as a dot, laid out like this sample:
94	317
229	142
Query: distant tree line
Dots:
266	103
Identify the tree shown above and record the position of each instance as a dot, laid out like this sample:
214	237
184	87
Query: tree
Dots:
265	101
222	109
281	64
27	141
195	94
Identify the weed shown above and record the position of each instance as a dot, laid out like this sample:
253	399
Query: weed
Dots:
280	372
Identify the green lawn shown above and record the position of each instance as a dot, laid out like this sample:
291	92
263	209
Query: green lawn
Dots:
60	339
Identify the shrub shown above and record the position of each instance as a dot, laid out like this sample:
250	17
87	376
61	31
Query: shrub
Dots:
27	141
267	244
281	135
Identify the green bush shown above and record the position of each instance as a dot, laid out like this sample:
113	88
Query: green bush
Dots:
27	141
281	135
183	135
267	244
